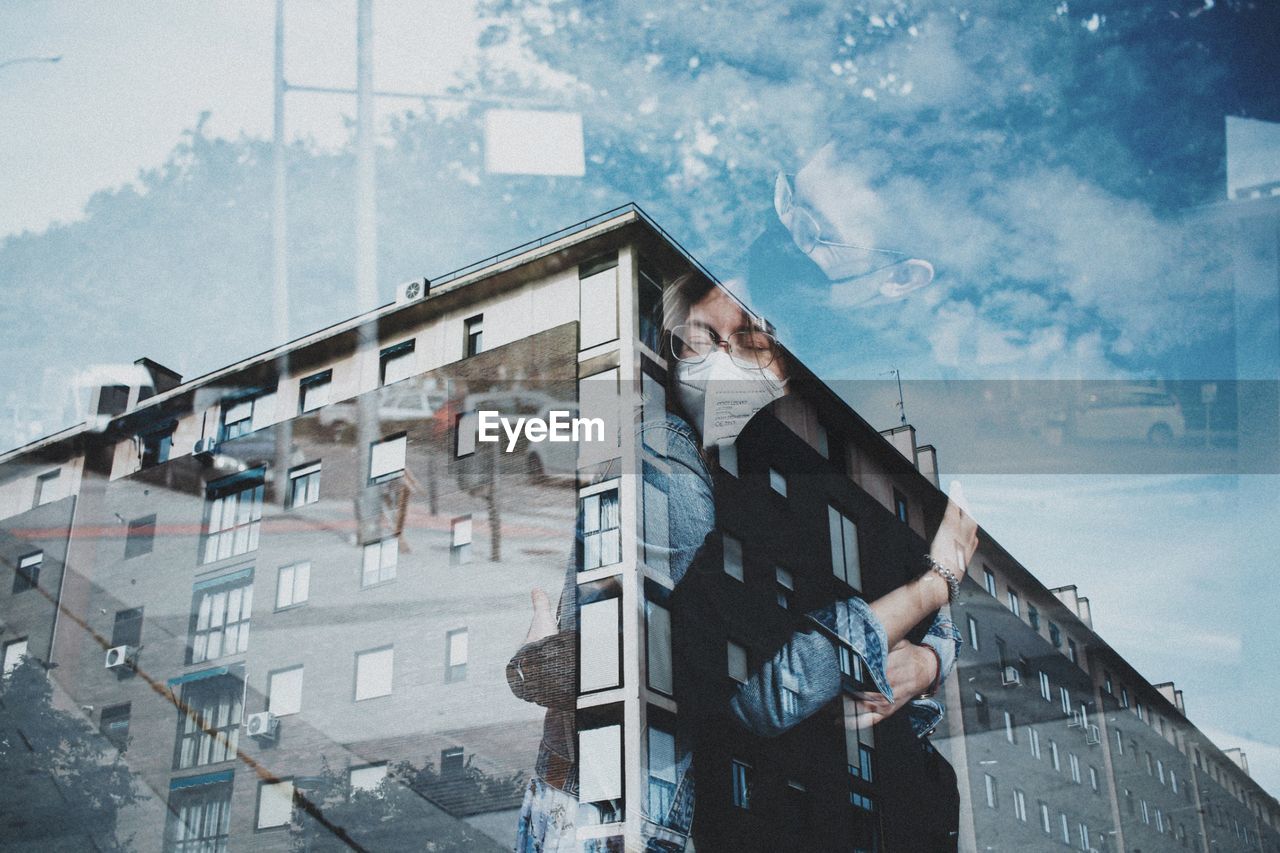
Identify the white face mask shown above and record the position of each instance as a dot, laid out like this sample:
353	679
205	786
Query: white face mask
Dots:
719	396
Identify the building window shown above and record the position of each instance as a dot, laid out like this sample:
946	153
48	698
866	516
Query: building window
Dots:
314	391
127	630
990	580
785	587
27	575
1124	697
1065	700
850	664
737	661
778	481
1010	729
373	673
47	487
600	644
246	414
598	302
114	725
600	765
1084	836
209	720
1045	690
982	710
220	610
658	647
1093	778
1073	653
465	428
1035	743
1055	635
1033	616
386	459
460	540
453	760
14	653
601	521
662	773
1045	822
157	445
370	777
1015	603
993	793
1106	682
1119	742
284	691
473	336
200	819
1075	767
456	651
304	485
275	804
732	557
140	537
821	443
973	633
1019	805
845	560
396	363
293	585
379	564
233	515
1053	755
741	784
650	310
900	506
1065	826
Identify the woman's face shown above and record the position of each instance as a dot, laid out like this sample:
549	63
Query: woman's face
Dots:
722	316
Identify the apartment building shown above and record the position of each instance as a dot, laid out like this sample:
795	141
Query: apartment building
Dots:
286	594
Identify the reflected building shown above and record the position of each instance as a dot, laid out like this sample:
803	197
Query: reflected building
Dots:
287	594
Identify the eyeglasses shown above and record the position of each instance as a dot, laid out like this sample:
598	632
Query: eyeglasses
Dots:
752	349
805	230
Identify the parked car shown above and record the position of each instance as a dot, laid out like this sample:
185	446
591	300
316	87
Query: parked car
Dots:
1112	412
400	405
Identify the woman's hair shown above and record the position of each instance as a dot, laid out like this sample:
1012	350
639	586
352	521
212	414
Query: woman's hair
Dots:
679	297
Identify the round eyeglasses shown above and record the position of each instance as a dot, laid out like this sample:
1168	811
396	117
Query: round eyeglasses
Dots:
805	230
752	349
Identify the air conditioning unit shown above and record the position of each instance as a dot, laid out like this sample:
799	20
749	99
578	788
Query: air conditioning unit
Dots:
121	657
412	291
1077	720
262	725
204	446
1010	677
1092	736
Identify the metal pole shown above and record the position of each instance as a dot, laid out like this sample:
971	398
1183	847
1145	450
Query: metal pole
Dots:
366	232
280	251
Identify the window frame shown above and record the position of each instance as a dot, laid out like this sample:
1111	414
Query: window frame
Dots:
308	476
390	473
473	336
362	654
26	575
294	601
315	382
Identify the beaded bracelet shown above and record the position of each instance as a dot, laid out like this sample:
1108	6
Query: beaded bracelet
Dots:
953	583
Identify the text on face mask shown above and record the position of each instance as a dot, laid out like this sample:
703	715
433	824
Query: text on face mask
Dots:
558	426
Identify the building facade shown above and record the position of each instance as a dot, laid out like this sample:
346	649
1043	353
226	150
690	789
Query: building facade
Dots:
285	595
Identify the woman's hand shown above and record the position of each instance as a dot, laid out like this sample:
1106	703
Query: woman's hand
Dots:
911	670
544	620
956	540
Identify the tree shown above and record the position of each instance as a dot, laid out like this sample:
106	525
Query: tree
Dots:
64	784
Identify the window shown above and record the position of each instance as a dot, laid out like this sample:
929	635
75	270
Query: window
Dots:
1173	781
1035	743
850	664
1075	767
993	793
1124	697
233	515
785	587
314	391
600	764
599	643
473	336
465	432
373	673
601	520
114	725
1106	682
1045	822
982	710
369	778
380	560
27	575
1093	778
14	652
1045	690
737	661
156	445
1010	729
650	309
990	579
304	484
845	561
386	459
140	537
460	540
1065	700
658	647
662	773
1033	616
822	443
1073	653
127	629
973	633
453	760
1065	827
275	804
209	716
900	506
1020	805
293	584
1053	755
396	363
246	414
732	557
455	652
1150	765
200	818
598	302
47	487
1015	603
728	457
741	784
778	481
1055	635
1083	836
284	691
220	610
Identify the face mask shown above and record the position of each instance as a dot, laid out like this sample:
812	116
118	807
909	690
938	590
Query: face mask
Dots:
719	396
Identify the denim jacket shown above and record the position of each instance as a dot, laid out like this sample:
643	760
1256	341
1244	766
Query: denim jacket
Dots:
802	676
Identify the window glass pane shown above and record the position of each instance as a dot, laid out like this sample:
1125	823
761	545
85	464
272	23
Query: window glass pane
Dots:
600	769
367	778
275	804
462	531
399	366
599	627
737	662
466	438
777	481
599	308
315	394
387	457
732	557
658	620
284	692
457	648
852	559
373	673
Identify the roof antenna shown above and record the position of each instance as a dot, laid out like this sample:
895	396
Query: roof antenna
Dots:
902	408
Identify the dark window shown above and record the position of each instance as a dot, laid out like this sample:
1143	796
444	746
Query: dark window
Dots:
982	710
245	413
304	484
313	392
27	575
233	515
900	506
141	536
114	725
209	721
1055	635
199	819
127	630
741	784
452	760
474	336
650	310
156	446
1033	616
113	400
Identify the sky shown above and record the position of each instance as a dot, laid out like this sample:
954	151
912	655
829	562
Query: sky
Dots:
1120	303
